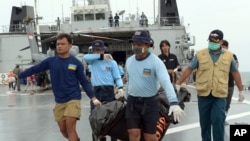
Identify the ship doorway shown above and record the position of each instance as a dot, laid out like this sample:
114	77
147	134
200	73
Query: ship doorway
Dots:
119	56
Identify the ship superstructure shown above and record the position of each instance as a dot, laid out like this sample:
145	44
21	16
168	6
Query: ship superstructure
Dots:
89	19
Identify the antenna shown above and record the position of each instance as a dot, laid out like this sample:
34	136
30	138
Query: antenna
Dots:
154	11
137	8
121	13
62	15
37	28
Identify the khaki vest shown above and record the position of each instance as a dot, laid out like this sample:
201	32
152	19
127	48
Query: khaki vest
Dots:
213	77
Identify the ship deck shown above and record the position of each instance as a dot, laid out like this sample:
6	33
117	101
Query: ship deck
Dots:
25	117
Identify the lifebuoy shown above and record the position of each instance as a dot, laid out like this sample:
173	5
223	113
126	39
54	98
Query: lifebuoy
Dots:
2	76
3	81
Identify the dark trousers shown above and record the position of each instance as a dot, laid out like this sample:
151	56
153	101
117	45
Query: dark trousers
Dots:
11	85
229	97
212	117
104	94
142	112
116	23
17	84
110	23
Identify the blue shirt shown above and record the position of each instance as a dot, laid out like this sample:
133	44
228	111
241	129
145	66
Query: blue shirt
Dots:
103	72
144	77
195	62
121	70
65	73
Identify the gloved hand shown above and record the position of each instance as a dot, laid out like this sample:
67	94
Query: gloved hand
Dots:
96	102
107	57
178	87
177	112
120	93
241	96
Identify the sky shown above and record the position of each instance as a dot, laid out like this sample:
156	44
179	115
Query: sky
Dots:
200	18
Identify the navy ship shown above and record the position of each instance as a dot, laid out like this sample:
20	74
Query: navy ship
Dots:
89	22
25	117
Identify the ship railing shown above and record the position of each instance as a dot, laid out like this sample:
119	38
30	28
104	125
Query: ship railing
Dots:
246	85
150	21
17	28
126	21
20	28
162	21
169	21
49	26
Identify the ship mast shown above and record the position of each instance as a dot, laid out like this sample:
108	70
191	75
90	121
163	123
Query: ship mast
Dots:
37	28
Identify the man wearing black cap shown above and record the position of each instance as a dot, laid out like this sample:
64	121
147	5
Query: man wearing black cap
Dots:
144	71
230	81
213	65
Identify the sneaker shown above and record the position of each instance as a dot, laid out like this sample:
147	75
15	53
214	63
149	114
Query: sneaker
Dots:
226	123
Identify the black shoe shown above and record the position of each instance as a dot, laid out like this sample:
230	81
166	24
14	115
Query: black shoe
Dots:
103	139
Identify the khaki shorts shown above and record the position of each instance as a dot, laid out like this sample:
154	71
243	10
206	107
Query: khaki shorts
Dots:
67	109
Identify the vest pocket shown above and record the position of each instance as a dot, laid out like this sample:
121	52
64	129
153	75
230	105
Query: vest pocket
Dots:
224	66
201	85
222	87
203	64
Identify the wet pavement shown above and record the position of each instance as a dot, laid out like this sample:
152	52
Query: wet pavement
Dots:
25	117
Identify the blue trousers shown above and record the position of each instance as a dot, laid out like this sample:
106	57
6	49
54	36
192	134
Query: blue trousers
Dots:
212	117
104	94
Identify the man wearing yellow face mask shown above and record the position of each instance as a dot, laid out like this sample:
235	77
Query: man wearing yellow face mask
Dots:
213	65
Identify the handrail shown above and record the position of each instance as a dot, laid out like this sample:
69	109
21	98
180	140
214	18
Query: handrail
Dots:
163	21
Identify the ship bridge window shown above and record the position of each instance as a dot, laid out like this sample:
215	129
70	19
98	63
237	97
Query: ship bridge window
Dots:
18	10
168	3
89	17
78	17
100	16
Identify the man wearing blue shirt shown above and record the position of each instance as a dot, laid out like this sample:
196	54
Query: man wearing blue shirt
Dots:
144	71
66	73
213	65
121	69
104	71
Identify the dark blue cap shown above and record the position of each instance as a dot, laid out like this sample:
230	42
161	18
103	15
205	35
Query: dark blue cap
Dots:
99	44
142	36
